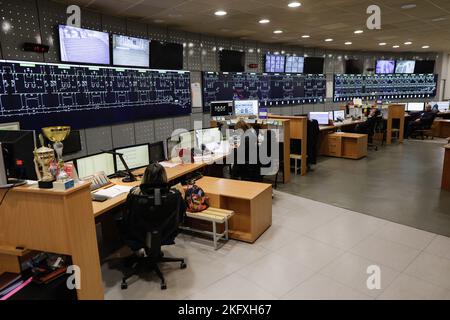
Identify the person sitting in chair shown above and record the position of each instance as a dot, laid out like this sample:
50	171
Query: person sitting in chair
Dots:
422	121
364	128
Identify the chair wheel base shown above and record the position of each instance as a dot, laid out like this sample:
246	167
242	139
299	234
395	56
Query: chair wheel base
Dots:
163	286
183	265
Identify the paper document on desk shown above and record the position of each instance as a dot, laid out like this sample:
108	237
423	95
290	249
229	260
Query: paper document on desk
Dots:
114	191
167	164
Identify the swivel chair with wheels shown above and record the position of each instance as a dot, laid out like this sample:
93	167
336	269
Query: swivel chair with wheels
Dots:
151	221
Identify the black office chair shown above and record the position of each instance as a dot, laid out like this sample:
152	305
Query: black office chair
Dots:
425	130
151	221
269	139
371	130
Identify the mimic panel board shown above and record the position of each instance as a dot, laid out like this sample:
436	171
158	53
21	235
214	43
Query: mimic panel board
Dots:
269	89
384	86
39	95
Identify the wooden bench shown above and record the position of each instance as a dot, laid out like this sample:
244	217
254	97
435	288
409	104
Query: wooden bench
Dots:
214	216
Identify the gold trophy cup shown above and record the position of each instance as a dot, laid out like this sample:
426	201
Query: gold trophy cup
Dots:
57	135
43	158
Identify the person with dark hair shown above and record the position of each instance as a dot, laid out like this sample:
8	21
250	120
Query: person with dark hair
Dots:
364	128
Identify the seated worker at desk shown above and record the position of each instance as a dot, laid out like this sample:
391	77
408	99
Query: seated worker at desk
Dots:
155	177
364	128
245	161
420	121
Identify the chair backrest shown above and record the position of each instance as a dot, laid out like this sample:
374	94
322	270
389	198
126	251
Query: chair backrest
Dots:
153	210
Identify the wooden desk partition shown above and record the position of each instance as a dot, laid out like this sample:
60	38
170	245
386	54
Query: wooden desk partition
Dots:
396	111
446	170
442	129
299	131
57	222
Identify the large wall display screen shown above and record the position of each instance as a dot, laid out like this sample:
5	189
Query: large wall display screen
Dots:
387	86
39	95
269	89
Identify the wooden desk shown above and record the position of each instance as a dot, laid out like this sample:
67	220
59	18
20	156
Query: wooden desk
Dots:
346	145
396	111
298	131
57	222
442	129
340	125
251	202
446	170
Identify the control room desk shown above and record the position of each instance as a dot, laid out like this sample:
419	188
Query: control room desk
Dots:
442	129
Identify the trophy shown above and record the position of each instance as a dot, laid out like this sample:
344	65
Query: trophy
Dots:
43	158
57	135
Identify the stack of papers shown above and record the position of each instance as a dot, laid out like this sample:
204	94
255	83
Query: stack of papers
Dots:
167	164
113	191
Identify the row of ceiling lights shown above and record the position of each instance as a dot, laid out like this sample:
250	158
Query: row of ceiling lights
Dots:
296	4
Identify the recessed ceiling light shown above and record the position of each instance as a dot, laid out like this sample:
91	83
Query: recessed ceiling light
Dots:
294	4
358	32
425	47
220	13
396	46
264	21
408	43
278	31
305	36
328	40
348	43
382	43
408	6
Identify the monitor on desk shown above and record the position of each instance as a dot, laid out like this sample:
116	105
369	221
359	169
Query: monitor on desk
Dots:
246	108
222	108
339	115
135	156
90	165
441	106
321	117
415	106
157	153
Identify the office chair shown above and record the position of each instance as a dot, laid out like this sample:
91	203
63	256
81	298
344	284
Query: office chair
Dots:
426	130
269	139
151	221
246	171
371	130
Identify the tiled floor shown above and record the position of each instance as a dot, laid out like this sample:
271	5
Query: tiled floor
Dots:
312	251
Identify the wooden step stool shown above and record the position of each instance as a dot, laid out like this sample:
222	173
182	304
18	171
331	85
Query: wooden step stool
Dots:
214	216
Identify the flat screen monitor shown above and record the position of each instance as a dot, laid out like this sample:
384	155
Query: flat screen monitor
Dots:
157	153
354	66
135	157
88	166
18	147
210	138
79	45
295	64
275	63
10	126
405	66
221	108
385	66
166	56
415	106
188	140
314	65
424	66
129	51
441	106
338	115
232	61
321	117
246	108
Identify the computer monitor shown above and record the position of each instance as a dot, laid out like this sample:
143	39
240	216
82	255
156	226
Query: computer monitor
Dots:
405	66
188	140
415	106
275	63
135	156
321	117
210	138
385	66
129	51
221	108
295	64
338	115
18	147
246	108
90	165
441	106
157	152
